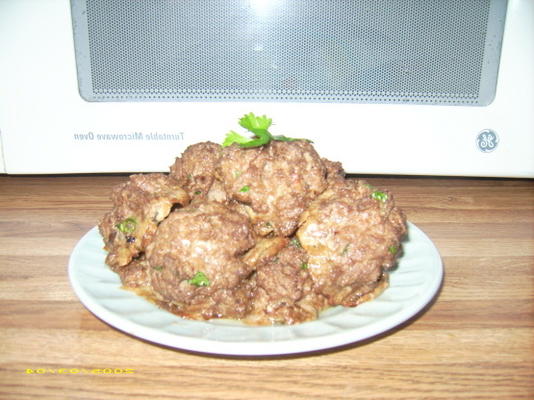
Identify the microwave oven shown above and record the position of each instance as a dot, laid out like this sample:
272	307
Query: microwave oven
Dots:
441	87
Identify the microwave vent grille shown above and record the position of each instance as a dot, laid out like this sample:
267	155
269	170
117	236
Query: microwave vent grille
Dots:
406	51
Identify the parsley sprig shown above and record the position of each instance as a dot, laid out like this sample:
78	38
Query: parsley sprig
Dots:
380	196
199	279
259	126
127	225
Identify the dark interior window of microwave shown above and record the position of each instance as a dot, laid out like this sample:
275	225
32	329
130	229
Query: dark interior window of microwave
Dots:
423	52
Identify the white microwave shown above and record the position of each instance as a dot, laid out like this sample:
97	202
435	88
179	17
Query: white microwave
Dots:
442	87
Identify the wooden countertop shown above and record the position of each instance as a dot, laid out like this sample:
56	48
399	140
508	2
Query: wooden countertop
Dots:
476	341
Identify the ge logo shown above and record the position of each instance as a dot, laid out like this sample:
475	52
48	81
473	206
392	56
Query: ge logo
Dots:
487	141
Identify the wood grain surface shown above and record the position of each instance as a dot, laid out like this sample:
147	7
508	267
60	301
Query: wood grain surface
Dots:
476	341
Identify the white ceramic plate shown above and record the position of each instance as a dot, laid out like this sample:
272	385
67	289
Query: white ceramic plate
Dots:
413	284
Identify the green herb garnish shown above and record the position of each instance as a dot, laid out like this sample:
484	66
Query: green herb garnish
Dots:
259	126
380	196
304	266
393	249
127	226
158	267
199	279
198	192
244	189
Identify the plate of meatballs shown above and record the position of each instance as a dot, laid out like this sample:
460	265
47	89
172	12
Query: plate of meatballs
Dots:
256	246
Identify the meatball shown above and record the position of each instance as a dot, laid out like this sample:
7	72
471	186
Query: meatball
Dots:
352	234
135	275
334	171
194	261
194	171
273	184
284	290
139	205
